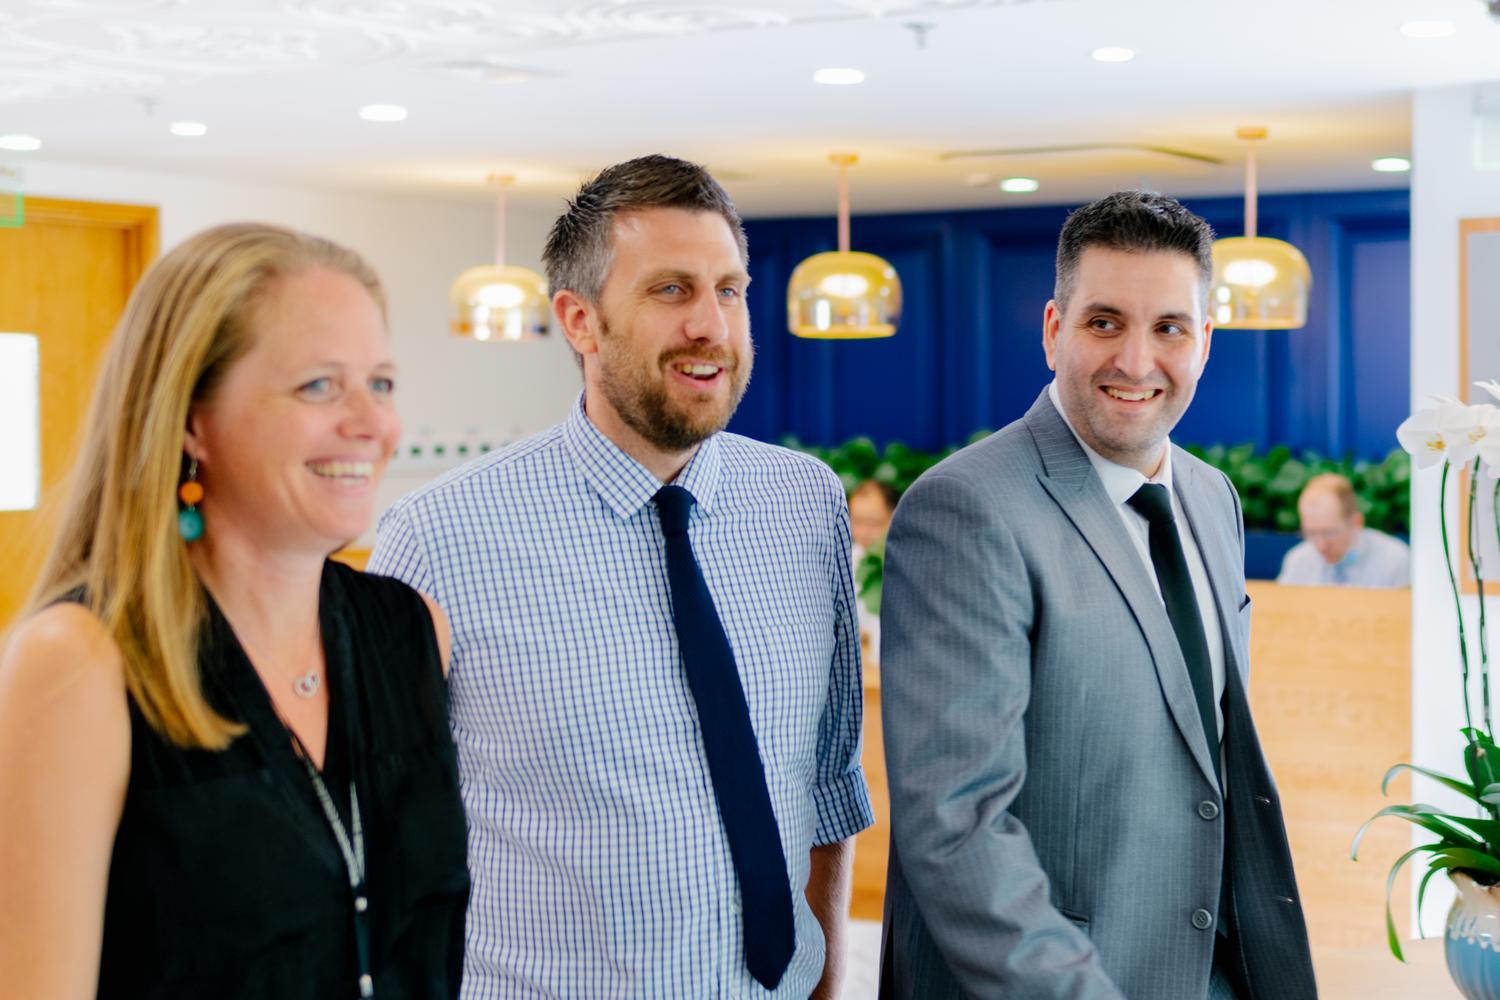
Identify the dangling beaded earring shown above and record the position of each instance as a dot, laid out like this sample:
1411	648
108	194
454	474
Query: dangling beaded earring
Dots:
189	521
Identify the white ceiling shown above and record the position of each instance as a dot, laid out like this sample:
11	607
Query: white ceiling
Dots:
549	91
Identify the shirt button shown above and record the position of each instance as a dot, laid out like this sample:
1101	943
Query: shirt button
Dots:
1208	809
361	904
1202	919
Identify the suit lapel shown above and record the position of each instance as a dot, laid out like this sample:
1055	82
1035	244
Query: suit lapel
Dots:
1069	479
1219	558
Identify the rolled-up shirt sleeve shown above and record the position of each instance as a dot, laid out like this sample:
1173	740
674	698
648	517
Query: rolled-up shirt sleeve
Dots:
840	794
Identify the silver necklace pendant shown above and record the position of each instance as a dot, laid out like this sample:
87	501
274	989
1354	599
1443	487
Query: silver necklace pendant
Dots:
308	685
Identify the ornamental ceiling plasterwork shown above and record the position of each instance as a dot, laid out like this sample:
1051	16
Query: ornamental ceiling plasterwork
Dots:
62	48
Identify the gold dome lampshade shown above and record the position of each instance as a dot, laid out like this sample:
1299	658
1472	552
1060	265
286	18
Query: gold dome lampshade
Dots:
1259	283
844	294
499	302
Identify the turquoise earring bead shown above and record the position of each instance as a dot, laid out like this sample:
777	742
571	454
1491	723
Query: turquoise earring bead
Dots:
190	524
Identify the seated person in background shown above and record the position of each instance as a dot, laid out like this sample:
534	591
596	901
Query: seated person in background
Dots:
225	763
871	505
1338	550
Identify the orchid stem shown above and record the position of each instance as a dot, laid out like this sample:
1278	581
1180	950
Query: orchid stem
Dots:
1463	643
1484	646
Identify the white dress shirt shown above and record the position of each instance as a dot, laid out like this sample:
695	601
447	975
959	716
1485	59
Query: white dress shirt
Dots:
1120	483
1374	560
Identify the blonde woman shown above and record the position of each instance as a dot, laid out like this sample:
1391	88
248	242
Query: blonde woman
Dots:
225	766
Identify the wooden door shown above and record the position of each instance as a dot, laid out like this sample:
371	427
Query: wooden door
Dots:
64	277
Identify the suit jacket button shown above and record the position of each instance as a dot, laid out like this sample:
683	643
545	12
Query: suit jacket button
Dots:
1202	919
1208	809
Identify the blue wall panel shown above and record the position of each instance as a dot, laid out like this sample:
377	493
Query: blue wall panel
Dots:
968	354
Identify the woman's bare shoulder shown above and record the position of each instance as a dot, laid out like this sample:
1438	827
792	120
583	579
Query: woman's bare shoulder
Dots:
61	653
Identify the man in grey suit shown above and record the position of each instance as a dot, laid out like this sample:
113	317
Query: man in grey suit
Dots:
1080	807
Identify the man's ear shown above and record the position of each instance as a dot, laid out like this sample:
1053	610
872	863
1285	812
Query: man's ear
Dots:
1051	327
1208	337
576	317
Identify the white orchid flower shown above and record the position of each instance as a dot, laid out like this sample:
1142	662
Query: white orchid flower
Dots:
1465	428
1440	433
1485	434
1490	386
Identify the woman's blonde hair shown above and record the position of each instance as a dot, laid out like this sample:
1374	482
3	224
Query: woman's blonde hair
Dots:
186	323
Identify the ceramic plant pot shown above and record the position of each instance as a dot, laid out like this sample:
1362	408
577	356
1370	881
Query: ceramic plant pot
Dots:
1473	939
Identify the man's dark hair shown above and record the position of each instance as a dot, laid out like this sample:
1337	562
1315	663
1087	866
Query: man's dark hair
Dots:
1134	221
581	245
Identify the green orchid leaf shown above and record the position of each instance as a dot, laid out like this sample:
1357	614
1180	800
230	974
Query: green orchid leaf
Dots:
1467	858
1488	829
1442	779
1427	818
1392	938
1482	761
1422	894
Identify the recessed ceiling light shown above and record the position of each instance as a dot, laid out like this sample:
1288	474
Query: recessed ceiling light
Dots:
1390	164
1019	185
20	143
1428	29
383	113
836	76
1113	53
189	128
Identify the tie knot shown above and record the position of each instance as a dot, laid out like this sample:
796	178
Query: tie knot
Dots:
1152	502
674	504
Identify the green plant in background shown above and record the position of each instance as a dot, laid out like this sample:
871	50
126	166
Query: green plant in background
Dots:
1269	484
859	459
869	577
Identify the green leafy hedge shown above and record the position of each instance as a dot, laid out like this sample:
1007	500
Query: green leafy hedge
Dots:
1268	483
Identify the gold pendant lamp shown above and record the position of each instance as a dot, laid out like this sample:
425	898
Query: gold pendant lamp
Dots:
498	302
844	294
1259	283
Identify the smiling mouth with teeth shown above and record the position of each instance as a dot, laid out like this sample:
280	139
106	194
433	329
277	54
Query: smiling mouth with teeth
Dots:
1131	395
697	371
343	470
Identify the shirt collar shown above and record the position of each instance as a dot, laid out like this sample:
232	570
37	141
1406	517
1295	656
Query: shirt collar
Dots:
1120	481
627	485
1355	551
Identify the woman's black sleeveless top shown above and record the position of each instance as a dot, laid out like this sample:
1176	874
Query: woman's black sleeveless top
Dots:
227	881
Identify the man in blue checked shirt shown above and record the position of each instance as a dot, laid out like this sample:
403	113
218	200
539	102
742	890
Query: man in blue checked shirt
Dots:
656	674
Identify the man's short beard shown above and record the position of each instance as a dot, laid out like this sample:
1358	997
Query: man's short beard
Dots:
644	405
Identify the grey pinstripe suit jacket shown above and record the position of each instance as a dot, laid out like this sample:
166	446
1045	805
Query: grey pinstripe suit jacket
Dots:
1056	822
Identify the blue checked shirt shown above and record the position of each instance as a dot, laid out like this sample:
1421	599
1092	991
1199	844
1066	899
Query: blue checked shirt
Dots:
600	866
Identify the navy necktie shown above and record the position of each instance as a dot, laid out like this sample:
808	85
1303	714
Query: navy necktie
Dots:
1152	502
733	755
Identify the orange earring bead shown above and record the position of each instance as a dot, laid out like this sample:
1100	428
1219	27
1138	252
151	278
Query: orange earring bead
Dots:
190	492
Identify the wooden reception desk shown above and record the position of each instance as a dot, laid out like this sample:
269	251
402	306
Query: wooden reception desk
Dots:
1330	688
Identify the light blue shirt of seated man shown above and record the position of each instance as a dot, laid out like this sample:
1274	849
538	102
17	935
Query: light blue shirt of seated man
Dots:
600	865
1338	550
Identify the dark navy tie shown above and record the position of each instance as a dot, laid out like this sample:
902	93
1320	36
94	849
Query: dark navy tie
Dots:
733	755
1152	502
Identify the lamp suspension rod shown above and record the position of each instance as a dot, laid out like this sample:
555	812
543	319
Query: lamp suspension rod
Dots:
843	207
1251	135
1250	194
500	182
